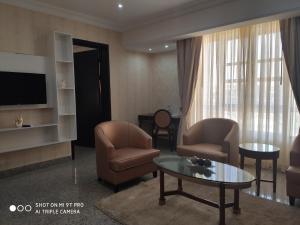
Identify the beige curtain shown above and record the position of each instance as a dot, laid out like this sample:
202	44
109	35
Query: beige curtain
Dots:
188	58
243	77
290	35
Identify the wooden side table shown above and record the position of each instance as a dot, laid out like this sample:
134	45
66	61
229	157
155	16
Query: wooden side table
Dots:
260	152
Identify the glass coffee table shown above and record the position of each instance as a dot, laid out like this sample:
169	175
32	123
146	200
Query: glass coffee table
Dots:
220	175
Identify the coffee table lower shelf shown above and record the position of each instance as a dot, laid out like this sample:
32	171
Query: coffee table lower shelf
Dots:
222	205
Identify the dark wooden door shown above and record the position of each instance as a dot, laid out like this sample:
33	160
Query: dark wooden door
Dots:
88	99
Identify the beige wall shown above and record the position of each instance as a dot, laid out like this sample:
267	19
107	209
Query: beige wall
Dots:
132	74
165	81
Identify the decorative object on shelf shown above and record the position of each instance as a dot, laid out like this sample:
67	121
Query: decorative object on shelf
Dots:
63	84
200	161
19	121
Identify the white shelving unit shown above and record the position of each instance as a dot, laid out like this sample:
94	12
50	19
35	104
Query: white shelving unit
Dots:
61	108
65	86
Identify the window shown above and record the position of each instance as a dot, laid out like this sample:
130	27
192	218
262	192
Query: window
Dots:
243	77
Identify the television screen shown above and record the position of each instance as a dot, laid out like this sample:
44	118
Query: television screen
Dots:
22	88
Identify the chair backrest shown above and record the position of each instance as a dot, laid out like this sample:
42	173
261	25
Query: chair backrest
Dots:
117	132
162	118
216	129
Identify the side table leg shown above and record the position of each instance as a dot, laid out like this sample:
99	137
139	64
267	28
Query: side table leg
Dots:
179	185
162	199
258	176
236	206
274	174
242	161
222	204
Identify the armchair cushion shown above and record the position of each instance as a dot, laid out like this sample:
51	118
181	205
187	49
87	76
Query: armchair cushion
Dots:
127	158
204	150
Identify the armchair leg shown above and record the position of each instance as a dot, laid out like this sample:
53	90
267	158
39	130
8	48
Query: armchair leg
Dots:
154	141
170	141
292	200
154	174
116	188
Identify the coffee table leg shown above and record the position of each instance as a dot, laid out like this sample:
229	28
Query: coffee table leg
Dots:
179	185
274	174
222	204
258	176
162	199
236	206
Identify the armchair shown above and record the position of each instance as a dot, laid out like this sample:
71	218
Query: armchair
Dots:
123	152
216	139
293	172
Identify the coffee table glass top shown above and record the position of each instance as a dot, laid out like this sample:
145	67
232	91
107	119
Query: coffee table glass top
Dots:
256	147
218	172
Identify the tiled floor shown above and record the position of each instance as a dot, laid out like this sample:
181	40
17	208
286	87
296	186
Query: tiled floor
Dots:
76	181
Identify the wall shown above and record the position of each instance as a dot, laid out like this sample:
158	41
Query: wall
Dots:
25	31
165	82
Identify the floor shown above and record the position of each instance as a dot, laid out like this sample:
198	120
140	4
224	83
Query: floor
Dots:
76	182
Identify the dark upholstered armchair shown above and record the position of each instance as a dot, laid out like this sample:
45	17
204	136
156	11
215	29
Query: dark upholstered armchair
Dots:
215	139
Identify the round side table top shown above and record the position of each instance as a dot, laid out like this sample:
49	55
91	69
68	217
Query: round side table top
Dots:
259	148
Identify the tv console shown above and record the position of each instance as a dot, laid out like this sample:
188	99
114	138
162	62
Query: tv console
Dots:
54	122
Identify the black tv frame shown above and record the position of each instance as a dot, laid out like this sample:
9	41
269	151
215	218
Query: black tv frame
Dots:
22	88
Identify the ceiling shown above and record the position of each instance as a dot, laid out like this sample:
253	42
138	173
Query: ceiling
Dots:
134	13
152	24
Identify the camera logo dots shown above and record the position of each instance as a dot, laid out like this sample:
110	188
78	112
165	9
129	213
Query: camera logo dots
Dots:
20	208
28	208
12	208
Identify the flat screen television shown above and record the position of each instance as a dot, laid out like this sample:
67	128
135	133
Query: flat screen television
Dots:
22	88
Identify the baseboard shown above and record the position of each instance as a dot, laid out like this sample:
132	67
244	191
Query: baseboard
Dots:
32	167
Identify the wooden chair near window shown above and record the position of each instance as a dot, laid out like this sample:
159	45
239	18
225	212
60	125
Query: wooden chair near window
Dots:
162	127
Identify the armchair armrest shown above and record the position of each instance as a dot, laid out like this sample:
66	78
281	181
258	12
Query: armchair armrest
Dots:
230	145
139	138
104	147
295	158
295	152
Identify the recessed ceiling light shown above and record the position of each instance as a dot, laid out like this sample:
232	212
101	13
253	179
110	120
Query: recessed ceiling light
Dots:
150	49
166	46
120	5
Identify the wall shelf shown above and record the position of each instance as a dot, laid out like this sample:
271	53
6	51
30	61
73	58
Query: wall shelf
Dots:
63	61
67	114
36	145
67	89
26	128
24	107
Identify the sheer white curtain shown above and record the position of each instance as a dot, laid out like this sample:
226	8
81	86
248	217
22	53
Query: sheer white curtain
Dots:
243	77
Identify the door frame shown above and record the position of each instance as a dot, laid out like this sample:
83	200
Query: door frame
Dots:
104	76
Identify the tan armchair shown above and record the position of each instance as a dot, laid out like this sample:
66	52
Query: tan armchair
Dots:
293	172
123	152
215	139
